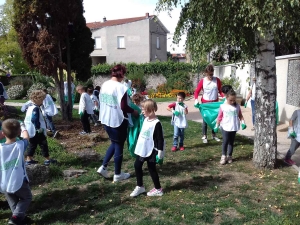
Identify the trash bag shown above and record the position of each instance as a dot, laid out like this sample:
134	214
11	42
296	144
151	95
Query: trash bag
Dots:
134	131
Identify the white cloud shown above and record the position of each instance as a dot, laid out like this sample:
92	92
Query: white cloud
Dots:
95	10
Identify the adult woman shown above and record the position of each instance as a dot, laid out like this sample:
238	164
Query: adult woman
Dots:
113	115
251	95
211	86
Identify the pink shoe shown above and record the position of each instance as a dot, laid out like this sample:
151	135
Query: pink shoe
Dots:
181	148
173	149
290	162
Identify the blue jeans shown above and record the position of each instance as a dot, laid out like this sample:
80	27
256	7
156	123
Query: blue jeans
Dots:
117	137
49	123
178	134
253	111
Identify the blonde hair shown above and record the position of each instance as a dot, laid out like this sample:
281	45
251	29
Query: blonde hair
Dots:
79	87
37	95
149	105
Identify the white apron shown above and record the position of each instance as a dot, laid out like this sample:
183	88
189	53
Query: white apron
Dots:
49	106
179	121
29	125
86	103
12	167
110	98
210	89
145	143
230	120
297	126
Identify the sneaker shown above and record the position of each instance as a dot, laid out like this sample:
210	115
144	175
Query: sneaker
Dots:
14	220
30	162
204	137
137	191
55	133
290	162
155	192
121	176
50	161
223	160
216	138
173	149
204	140
103	171
181	148
229	159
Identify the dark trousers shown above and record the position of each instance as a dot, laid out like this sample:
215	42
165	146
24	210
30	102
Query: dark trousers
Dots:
138	166
50	124
41	140
85	122
204	129
20	200
117	137
228	141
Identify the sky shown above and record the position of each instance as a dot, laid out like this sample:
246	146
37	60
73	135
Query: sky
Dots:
95	10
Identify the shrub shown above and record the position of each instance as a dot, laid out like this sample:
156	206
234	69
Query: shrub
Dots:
234	82
137	76
35	86
180	80
26	82
15	92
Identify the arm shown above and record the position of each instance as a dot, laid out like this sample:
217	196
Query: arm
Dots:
124	105
186	110
158	137
241	115
24	132
219	84
171	106
249	95
220	116
198	89
35	119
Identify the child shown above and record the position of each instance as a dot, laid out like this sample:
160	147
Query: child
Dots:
26	105
149	147
36	127
294	134
85	109
72	91
226	88
96	106
49	110
179	110
229	118
13	176
96	91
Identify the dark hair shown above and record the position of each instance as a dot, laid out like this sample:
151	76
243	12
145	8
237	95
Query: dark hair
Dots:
45	90
90	90
11	128
226	88
181	94
118	71
231	92
97	88
137	97
209	68
126	80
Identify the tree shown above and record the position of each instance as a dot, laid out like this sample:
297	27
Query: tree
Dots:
253	26
43	29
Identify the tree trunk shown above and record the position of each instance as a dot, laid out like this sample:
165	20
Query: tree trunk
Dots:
69	103
265	140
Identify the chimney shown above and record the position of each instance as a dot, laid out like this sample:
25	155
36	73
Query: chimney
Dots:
104	19
147	15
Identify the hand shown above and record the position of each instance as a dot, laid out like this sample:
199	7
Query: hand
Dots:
245	105
216	128
22	125
81	114
135	113
291	132
158	160
96	109
244	126
160	154
40	131
196	102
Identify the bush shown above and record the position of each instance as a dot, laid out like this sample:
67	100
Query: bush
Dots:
234	82
137	76
180	80
15	92
35	86
26	82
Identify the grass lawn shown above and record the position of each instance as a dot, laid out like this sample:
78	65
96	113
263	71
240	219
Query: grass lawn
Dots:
17	101
197	189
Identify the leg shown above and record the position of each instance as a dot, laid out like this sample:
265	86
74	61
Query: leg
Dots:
175	137
154	174
181	135
225	142
109	154
204	128
119	146
20	200
293	147
85	121
43	145
33	142
253	111
50	124
138	166
231	137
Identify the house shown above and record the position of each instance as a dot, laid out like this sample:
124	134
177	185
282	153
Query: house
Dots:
179	57
139	39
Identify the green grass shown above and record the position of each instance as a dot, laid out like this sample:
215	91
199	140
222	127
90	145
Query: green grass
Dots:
198	190
17	101
164	99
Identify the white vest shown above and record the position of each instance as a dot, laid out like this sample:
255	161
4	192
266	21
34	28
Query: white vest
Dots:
253	91
210	89
12	167
49	106
145	142
29	125
95	99
85	103
297	126
230	120
26	105
110	98
179	121
66	88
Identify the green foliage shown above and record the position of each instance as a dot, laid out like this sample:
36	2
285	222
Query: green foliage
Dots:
180	80
233	81
45	80
15	92
35	86
25	82
137	76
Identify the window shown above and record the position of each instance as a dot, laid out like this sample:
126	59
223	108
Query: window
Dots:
157	43
98	43
121	42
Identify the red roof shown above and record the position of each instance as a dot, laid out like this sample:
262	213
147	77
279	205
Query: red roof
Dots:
107	23
179	55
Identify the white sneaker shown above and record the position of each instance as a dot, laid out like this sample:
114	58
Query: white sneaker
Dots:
216	139
155	192
137	191
121	176
204	140
223	160
229	159
103	171
204	137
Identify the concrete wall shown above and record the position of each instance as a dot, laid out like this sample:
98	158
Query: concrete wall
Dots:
157	31
285	111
